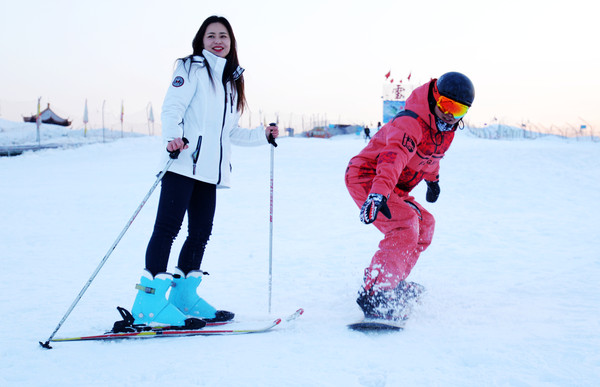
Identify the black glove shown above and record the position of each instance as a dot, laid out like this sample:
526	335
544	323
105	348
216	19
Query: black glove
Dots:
433	191
372	206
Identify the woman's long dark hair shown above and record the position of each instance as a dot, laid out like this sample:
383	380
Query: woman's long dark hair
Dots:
232	58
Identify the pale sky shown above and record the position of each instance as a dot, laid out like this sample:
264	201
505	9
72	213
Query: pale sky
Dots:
535	61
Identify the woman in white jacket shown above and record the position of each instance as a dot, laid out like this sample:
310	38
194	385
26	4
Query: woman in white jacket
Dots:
203	106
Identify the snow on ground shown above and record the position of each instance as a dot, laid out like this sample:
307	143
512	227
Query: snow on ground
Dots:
25	134
512	274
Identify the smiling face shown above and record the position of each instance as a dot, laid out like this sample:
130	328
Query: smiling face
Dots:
216	39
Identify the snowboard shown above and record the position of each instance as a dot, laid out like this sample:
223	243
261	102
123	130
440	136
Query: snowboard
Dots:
377	325
412	296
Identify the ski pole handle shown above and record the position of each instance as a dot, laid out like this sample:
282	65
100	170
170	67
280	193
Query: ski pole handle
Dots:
175	154
271	139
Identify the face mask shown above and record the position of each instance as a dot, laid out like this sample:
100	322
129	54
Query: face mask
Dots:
443	126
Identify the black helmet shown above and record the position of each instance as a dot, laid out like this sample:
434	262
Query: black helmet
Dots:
457	87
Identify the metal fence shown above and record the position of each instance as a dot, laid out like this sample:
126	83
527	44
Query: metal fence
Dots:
532	132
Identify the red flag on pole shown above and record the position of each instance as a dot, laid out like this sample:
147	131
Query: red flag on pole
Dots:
409	75
388	74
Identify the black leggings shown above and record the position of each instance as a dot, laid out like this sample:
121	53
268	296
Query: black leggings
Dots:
180	194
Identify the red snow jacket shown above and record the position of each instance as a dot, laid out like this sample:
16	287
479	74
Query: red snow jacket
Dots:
404	151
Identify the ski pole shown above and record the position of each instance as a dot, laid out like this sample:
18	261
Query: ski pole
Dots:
274	144
173	156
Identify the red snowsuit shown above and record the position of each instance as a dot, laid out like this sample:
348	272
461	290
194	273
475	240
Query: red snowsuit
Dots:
402	153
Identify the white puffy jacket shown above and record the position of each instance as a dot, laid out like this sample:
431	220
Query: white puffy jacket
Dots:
205	112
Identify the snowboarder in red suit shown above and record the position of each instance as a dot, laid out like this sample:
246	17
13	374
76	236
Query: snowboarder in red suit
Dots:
406	150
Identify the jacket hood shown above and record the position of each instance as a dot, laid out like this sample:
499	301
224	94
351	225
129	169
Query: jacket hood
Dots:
418	102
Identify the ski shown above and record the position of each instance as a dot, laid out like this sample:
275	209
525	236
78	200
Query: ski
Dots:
211	329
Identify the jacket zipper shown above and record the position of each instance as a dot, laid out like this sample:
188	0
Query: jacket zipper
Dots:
196	154
221	138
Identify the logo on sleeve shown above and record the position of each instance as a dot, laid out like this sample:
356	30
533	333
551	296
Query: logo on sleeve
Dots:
177	82
409	143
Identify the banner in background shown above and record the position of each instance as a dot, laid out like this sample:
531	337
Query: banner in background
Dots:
391	108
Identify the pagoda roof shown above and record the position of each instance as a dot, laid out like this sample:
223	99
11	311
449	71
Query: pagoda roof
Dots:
47	116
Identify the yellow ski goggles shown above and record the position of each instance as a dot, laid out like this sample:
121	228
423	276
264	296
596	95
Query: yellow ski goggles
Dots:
449	106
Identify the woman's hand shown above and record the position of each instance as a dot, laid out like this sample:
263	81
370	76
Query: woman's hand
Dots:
176	144
272	129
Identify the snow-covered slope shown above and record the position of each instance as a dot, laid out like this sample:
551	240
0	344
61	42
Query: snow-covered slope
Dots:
512	274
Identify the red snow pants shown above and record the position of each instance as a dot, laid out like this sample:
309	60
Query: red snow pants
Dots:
406	234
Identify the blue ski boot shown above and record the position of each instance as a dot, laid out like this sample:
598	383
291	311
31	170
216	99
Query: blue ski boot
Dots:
151	306
185	297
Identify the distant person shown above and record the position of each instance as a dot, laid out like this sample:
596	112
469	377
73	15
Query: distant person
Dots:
378	126
367	133
203	104
406	150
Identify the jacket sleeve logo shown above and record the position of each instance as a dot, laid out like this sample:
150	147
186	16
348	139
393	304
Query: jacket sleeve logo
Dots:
178	81
409	143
